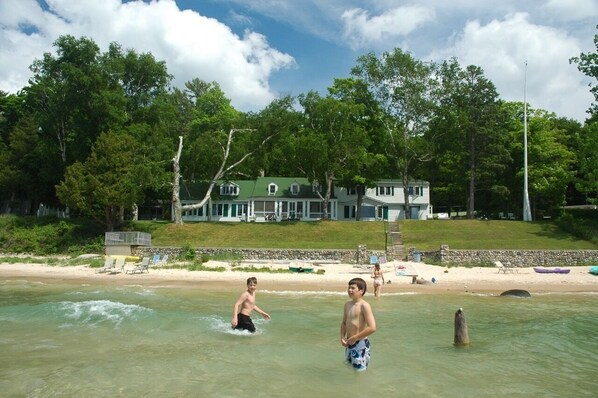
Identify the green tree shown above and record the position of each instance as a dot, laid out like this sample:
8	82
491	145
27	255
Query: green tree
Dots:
331	143
137	78
212	118
63	94
216	146
11	112
405	89
550	159
588	64
473	138
107	182
282	121
367	164
587	141
587	161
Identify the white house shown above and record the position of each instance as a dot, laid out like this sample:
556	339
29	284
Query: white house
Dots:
295	198
386	201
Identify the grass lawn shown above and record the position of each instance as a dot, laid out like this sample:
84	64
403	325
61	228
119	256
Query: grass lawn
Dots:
283	235
492	234
423	235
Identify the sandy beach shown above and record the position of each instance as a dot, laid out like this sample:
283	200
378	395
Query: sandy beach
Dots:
457	280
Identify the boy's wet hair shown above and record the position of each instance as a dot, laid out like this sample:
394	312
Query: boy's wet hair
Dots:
360	283
251	279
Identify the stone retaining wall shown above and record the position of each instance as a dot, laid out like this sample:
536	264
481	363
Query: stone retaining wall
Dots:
518	258
347	256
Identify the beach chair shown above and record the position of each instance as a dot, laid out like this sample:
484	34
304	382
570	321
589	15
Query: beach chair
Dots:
118	266
156	259
108	263
504	268
373	260
163	261
141	267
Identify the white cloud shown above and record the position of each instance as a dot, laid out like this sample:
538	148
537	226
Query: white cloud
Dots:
501	48
573	10
190	44
362	30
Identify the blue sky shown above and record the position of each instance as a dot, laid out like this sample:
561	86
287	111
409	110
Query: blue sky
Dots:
259	50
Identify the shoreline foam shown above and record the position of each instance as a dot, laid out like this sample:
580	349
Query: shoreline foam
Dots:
448	280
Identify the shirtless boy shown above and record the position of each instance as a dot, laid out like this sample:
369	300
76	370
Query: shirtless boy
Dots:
246	303
358	323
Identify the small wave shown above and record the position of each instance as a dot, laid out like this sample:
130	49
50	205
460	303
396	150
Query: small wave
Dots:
96	312
304	292
342	293
221	325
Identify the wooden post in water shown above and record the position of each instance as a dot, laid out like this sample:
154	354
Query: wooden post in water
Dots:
461	332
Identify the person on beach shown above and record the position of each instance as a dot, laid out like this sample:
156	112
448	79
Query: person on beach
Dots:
378	276
358	323
244	306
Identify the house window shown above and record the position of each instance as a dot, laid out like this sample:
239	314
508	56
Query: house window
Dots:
316	209
219	209
241	210
368	211
351	191
385	191
295	189
349	211
229	189
272	188
417	191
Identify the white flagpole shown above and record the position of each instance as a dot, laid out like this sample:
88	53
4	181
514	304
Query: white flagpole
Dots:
527	214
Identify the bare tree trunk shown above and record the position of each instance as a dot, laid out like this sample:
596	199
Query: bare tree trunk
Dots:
405	180
222	171
472	178
176	187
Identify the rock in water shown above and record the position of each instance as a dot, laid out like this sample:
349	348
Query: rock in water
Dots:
516	293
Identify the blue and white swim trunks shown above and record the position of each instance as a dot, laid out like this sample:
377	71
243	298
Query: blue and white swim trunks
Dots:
358	354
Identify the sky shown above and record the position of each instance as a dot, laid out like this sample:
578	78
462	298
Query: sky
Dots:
260	50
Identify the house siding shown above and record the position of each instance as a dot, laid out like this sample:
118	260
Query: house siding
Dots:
283	198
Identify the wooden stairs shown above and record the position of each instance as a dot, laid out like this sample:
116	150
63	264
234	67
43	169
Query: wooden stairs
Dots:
395	250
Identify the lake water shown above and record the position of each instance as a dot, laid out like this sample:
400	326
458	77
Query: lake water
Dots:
96	341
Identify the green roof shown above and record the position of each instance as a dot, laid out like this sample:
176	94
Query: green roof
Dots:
257	188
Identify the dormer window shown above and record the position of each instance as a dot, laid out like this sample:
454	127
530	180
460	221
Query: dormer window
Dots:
272	189
295	189
315	187
229	190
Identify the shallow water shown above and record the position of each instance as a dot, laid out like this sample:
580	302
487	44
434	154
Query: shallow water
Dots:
59	340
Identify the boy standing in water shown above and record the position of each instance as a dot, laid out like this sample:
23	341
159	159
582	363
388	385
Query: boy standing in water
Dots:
358	323
242	318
